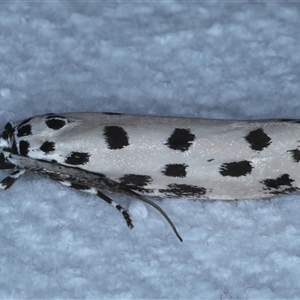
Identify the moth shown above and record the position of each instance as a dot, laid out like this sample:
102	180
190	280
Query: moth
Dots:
151	156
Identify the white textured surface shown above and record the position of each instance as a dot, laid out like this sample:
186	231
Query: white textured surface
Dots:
214	60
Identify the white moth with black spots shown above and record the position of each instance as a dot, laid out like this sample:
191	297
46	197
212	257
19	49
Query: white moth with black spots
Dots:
156	156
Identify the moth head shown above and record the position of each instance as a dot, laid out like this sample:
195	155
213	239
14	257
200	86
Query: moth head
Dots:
7	145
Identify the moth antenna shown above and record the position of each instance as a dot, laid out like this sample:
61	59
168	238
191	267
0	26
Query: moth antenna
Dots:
157	207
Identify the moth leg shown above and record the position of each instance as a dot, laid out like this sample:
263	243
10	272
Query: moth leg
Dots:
123	211
8	181
94	191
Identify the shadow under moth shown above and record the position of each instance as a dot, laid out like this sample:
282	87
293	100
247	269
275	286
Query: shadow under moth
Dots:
145	156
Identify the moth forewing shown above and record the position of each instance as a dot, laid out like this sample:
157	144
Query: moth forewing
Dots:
156	156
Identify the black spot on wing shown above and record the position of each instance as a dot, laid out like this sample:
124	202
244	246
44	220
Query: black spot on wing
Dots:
286	120
278	182
209	160
181	139
183	190
48	147
116	137
24	122
56	122
24	147
297	121
77	158
295	154
135	182
236	169
175	170
112	113
24	130
258	139
279	185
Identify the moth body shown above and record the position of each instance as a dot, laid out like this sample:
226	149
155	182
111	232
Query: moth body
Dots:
156	156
